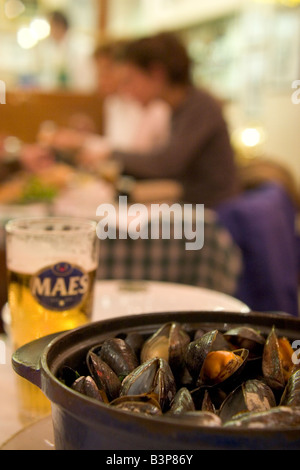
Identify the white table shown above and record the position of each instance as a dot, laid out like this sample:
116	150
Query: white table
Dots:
112	299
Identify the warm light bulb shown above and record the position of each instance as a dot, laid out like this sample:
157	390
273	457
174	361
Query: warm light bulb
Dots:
40	28
26	38
251	137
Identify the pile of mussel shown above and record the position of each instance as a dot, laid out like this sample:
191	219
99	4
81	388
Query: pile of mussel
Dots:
235	378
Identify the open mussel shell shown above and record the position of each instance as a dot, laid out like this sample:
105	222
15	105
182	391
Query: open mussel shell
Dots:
250	396
153	376
280	417
145	404
277	364
198	349
291	394
169	343
245	337
222	368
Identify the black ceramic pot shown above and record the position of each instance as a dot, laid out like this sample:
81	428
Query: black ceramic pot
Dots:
81	423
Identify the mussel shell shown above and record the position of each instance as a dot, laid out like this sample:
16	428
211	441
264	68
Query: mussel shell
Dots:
197	351
250	396
168	342
232	376
291	394
119	356
104	376
145	404
208	398
272	367
153	376
244	337
182	402
136	342
280	417
87	386
207	403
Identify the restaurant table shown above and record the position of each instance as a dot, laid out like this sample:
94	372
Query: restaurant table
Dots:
112	299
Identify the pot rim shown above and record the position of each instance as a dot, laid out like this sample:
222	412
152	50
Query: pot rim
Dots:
88	407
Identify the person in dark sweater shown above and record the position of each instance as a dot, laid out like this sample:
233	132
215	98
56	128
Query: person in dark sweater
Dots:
198	153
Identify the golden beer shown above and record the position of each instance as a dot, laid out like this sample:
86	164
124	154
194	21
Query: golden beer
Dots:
40	321
51	266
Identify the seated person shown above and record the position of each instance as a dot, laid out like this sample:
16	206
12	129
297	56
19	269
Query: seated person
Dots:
198	153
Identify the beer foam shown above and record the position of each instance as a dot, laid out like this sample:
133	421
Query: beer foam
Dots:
28	258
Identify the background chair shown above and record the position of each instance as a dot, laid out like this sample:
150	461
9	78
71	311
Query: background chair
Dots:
262	223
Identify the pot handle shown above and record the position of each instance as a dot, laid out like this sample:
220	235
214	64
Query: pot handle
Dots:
26	360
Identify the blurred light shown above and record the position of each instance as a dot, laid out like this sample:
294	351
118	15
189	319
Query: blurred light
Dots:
287	3
13	8
251	137
26	38
40	28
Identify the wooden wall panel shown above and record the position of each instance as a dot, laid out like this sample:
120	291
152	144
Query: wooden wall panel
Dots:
23	112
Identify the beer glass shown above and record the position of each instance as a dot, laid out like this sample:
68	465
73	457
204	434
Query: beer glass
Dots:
51	265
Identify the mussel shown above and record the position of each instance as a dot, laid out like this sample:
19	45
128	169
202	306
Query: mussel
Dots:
182	402
87	386
169	343
104	377
251	395
119	356
198	349
277	364
144	404
211	361
218	366
153	376
280	417
291	394
245	337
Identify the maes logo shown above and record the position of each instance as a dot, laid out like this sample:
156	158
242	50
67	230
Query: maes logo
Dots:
60	287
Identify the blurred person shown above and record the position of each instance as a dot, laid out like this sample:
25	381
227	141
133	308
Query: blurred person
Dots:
65	60
198	153
128	124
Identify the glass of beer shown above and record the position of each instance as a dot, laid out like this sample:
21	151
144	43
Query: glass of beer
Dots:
51	265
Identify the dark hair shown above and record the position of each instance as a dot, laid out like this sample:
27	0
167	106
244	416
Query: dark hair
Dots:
60	18
111	50
164	49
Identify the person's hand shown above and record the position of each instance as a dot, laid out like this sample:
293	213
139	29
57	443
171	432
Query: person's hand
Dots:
36	158
94	151
68	139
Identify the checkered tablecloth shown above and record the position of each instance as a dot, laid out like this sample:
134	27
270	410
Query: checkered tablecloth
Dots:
216	266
